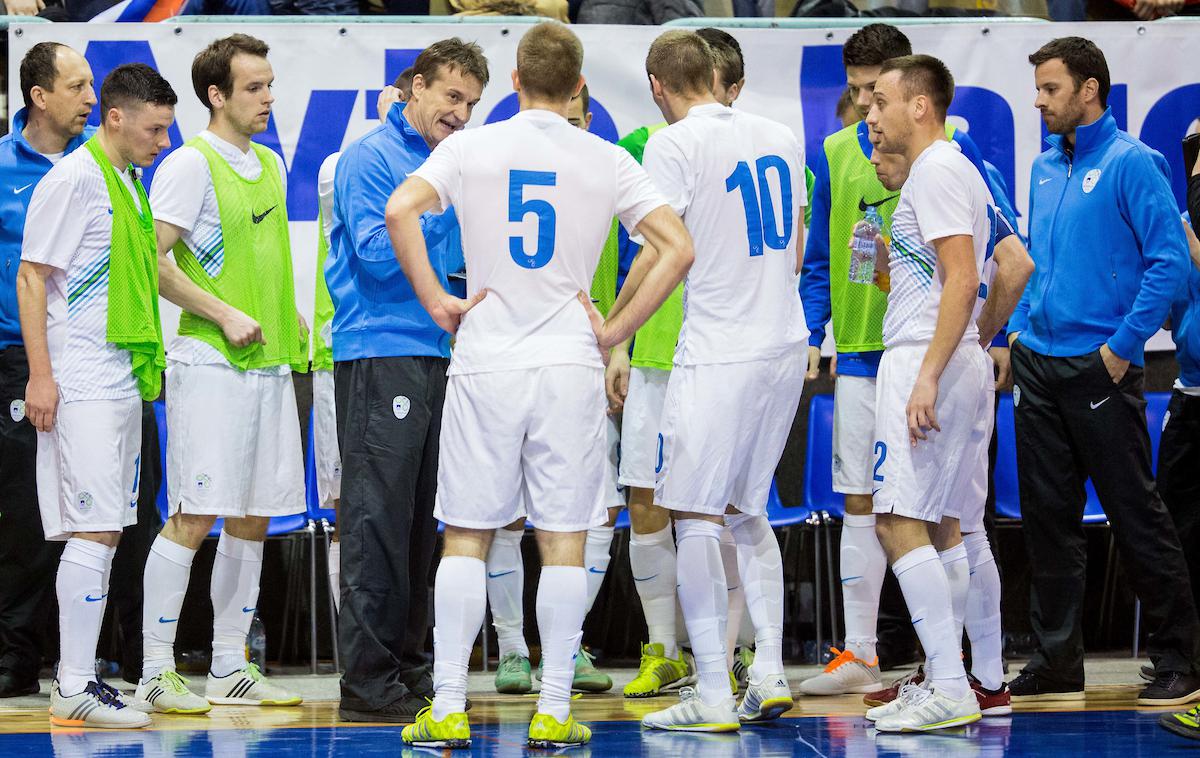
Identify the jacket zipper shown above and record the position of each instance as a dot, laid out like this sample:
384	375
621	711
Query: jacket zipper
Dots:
1050	278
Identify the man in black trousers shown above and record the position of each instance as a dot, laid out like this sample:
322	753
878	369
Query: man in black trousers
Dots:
1111	256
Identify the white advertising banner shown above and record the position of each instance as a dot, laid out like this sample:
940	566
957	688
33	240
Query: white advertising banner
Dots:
328	76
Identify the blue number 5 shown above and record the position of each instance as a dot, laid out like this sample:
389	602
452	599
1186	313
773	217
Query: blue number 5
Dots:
519	207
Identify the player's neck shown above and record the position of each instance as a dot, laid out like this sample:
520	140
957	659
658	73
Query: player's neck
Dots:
226	132
42	136
676	107
540	104
111	151
923	137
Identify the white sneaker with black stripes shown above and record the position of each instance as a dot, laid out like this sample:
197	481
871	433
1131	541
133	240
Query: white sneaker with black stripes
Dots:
247	687
168	693
99	706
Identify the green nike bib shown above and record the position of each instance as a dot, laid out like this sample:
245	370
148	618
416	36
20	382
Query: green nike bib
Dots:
323	306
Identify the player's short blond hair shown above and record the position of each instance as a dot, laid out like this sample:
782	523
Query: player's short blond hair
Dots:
550	61
682	62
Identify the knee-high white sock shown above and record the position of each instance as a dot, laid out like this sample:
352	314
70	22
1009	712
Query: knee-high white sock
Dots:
506	591
459	603
958	576
164	584
761	567
927	593
596	555
335	574
80	590
703	594
560	611
983	612
863	566
736	595
234	592
652	561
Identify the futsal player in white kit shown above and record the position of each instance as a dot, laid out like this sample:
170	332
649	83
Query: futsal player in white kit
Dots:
738	181
934	390
524	419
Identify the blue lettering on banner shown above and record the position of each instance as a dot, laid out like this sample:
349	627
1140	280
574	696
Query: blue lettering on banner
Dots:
993	133
394	63
1166	124
822	81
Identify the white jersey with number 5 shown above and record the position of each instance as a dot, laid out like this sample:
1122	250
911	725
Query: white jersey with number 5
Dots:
738	181
535	198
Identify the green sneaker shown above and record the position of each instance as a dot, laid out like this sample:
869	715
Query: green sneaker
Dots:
587	678
454	731
512	675
657	672
546	732
1186	724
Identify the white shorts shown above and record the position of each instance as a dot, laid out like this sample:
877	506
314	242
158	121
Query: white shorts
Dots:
945	475
524	443
89	467
233	442
614	493
641	422
724	428
325	441
853	434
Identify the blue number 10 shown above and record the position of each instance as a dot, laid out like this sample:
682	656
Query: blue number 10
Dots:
761	224
519	207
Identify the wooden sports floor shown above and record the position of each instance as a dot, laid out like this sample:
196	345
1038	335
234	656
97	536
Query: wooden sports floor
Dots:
1107	724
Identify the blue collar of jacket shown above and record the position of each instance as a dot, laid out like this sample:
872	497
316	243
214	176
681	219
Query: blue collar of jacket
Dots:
22	146
1089	138
399	123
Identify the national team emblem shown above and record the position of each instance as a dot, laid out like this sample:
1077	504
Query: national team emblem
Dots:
1090	179
1016	396
401	406
84	501
203	483
16	410
837	463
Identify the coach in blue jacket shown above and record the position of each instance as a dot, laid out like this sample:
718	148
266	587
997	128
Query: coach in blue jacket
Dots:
1111	257
390	362
56	83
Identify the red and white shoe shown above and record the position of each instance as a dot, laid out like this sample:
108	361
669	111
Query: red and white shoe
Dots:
885	696
996	702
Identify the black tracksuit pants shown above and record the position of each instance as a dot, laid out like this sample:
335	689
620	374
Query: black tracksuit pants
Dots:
389	416
1074	423
1179	477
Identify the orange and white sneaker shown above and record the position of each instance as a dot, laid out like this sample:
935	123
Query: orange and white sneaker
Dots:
844	675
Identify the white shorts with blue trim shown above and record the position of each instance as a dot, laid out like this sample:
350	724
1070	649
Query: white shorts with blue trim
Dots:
641	422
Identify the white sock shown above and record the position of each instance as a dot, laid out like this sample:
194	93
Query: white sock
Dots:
596	555
234	592
983	612
335	574
560	612
927	593
459	603
736	595
164	584
863	566
958	576
80	589
703	594
761	566
506	591
652	562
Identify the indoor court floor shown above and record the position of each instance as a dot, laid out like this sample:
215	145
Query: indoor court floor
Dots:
1108	724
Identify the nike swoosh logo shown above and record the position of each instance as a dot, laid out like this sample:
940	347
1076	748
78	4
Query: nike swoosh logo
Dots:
256	217
594	570
734	587
19	190
498	574
863	204
249	610
91	599
1102	402
875	492
850	579
162	620
1043	181
644	578
917	621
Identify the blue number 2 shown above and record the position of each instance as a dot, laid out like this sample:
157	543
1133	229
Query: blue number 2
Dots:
761	224
519	207
881	451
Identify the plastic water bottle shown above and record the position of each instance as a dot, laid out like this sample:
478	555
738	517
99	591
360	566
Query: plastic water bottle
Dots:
256	643
862	247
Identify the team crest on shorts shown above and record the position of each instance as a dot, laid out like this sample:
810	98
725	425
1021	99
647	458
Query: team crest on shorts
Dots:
401	406
837	463
84	501
203	483
16	410
1016	396
1090	179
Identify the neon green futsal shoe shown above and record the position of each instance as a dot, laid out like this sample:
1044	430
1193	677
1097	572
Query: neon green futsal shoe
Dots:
545	731
454	731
